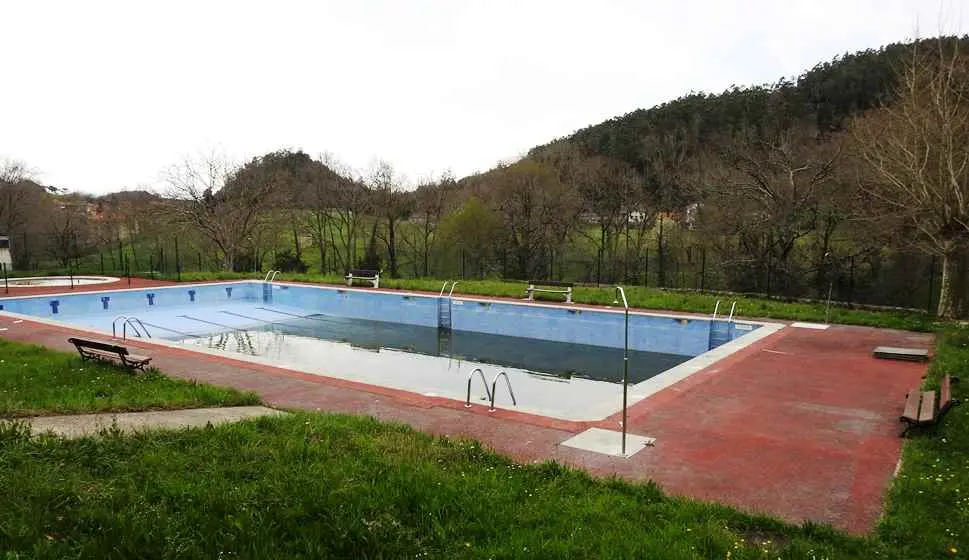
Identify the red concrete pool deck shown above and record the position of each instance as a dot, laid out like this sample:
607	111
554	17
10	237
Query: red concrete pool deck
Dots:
802	424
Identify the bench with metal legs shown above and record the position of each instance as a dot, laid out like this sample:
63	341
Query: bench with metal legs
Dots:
550	287
97	350
372	276
920	406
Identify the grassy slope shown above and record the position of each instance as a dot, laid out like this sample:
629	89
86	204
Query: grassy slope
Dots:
317	486
35	381
928	505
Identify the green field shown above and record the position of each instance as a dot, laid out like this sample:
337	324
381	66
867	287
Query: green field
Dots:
37	381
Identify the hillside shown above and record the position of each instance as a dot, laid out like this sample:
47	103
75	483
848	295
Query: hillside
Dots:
822	98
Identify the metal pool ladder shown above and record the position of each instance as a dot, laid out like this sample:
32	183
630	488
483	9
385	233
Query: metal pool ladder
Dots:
716	309
136	326
492	392
444	287
467	401
271	276
494	382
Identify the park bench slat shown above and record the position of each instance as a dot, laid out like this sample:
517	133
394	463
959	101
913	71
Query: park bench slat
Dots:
911	412
927	410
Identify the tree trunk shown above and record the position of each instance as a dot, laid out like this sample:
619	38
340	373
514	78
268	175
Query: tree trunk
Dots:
947	307
392	246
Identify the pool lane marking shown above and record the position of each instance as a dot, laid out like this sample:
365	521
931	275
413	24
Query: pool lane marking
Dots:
313	316
211	323
171	330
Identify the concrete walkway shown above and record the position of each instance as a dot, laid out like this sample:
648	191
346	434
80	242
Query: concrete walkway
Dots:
80	425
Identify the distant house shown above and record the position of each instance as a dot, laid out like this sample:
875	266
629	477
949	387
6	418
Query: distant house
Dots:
5	257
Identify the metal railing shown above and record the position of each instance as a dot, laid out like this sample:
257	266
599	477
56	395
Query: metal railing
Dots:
467	401
137	327
494	383
716	309
444	287
271	276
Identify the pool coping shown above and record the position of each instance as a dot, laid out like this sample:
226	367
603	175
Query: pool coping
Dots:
636	392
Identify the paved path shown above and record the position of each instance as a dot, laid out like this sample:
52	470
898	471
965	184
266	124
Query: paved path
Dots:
80	425
801	425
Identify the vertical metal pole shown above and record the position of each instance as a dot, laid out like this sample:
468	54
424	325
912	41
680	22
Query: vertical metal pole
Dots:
703	267
102	263
178	262
127	269
151	266
625	380
70	271
646	272
6	286
851	281
928	308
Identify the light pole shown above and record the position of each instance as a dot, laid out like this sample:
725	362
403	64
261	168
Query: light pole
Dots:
625	362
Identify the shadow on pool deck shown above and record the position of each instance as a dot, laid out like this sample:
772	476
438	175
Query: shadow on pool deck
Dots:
802	425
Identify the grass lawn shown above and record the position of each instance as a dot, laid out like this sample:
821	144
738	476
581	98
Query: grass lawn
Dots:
37	381
317	486
645	298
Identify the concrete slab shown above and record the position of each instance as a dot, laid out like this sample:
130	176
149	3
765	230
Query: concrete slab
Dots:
815	326
80	425
906	354
608	442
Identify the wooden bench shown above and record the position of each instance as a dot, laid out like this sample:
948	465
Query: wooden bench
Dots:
920	406
559	288
97	350
372	276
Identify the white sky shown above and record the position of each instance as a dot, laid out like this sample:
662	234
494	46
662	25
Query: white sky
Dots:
102	96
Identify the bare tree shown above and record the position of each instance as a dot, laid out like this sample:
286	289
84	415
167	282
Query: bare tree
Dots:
430	200
225	203
390	204
762	196
917	151
538	211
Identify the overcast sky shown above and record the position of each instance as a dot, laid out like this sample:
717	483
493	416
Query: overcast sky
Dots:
103	96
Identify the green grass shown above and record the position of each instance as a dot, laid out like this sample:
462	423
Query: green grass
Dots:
928	506
319	486
644	298
37	381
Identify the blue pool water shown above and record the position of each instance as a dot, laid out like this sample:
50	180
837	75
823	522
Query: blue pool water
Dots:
414	342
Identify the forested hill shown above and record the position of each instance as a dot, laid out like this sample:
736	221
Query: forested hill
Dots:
822	98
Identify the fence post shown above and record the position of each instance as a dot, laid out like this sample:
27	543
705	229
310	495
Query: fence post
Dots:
703	267
151	266
928	307
178	263
646	272
200	261
6	286
127	270
598	267
102	262
851	281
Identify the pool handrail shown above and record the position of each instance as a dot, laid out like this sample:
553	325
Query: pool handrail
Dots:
494	383
467	401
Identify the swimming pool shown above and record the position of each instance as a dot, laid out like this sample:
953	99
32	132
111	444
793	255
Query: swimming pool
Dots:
561	361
